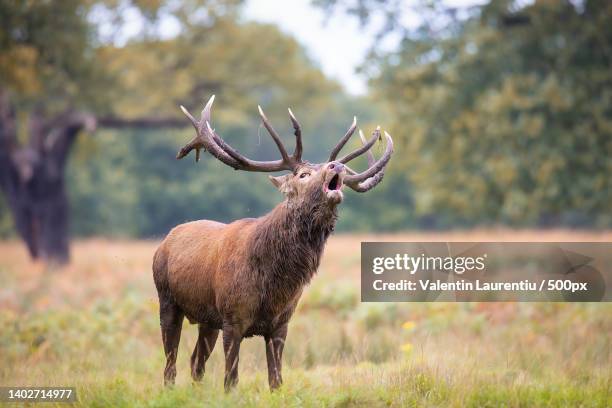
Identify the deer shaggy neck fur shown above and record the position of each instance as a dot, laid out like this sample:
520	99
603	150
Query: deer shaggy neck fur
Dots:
288	244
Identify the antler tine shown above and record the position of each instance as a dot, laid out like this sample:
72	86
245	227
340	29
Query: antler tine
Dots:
198	142
297	131
206	112
368	179
345	138
369	183
202	140
366	147
206	138
274	135
369	153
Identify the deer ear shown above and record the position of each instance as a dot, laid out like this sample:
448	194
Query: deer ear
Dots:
279	182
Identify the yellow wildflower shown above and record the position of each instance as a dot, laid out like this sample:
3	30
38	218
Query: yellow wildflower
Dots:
407	348
409	325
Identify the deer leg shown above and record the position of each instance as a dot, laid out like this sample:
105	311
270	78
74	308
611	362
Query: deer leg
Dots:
232	337
171	320
204	346
275	343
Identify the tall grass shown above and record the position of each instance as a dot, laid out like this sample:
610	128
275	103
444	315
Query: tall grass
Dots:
94	325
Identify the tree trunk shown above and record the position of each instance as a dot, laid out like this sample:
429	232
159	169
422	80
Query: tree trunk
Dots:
40	210
32	176
33	181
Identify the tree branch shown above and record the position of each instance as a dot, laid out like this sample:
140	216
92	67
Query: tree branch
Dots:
143	123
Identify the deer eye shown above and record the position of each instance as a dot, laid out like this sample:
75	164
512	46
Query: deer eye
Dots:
304	175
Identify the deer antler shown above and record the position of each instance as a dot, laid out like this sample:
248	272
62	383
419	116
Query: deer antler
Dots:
365	181
345	138
206	138
297	131
375	172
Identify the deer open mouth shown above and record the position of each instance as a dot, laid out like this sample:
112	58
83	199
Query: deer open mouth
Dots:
335	184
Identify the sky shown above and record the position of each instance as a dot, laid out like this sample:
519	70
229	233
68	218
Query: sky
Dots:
337	45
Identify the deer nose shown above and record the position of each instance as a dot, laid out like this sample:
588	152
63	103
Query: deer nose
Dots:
337	167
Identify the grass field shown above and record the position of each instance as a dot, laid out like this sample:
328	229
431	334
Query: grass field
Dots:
94	325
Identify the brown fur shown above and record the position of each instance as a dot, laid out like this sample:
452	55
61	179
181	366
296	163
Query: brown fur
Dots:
245	278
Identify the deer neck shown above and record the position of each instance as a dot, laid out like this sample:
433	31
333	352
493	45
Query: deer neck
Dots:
289	242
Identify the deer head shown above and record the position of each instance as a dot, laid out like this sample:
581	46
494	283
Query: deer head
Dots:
323	181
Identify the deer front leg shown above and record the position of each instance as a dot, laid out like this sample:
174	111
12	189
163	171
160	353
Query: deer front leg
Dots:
275	342
232	337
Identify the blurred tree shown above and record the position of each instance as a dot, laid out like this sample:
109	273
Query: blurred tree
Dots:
46	69
64	70
504	110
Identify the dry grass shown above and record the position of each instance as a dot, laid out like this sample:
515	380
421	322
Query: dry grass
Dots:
94	325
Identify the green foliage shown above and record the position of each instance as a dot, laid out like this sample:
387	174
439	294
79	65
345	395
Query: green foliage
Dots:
373	315
340	297
45	49
50	54
506	116
246	64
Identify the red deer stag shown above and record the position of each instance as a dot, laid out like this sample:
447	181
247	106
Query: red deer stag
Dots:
245	278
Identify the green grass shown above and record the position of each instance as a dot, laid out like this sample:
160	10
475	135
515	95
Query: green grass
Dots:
547	355
95	327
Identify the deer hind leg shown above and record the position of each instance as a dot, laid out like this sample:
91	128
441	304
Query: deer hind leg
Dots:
171	320
204	346
232	337
275	343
